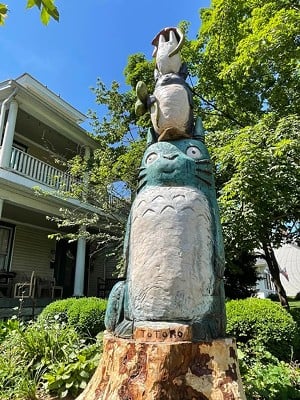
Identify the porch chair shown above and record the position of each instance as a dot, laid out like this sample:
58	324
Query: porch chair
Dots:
56	288
26	288
49	286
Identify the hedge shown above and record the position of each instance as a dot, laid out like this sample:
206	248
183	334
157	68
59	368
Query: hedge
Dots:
85	314
260	321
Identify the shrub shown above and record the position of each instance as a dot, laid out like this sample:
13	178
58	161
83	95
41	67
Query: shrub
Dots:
48	357
7	327
85	314
295	312
272	380
261	322
68	378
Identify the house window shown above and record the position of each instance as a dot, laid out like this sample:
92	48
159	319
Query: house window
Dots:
268	282
6	242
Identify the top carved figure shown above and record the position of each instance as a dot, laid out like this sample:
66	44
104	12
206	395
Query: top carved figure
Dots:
171	105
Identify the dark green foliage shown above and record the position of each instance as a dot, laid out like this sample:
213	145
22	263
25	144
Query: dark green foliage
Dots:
85	314
260	321
295	312
240	275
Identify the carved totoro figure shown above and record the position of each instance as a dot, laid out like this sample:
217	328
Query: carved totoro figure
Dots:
173	248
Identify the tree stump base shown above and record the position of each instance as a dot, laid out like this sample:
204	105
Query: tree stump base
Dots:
162	363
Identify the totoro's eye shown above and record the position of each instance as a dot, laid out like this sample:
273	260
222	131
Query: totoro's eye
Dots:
151	158
193	152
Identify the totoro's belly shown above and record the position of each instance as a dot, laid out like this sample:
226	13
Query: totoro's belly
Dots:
171	109
170	274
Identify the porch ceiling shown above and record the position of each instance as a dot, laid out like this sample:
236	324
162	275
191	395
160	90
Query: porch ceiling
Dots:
17	214
35	131
51	114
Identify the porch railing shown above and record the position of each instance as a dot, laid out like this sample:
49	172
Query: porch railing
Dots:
39	171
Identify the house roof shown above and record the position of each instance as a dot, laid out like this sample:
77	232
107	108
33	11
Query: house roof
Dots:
37	100
44	93
288	257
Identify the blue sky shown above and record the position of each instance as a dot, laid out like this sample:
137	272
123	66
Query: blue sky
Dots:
93	39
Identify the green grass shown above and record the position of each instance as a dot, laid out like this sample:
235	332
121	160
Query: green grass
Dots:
294	303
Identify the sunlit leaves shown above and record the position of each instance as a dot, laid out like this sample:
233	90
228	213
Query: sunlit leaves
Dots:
3	13
249	60
260	195
47	9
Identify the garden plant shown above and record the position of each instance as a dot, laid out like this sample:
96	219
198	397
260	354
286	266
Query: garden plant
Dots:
55	356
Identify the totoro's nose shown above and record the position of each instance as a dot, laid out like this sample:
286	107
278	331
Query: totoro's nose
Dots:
170	156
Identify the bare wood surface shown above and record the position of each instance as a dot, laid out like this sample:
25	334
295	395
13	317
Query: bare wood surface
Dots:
179	370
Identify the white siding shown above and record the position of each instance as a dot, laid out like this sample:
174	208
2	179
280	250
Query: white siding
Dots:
32	250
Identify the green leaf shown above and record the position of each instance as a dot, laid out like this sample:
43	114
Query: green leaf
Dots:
83	385
45	17
31	3
84	374
69	384
51	9
3	13
64	394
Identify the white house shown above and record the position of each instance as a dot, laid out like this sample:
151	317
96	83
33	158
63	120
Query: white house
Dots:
288	258
37	127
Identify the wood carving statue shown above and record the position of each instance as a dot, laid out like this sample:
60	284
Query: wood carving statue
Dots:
173	247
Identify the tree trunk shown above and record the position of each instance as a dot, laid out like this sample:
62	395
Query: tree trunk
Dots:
162	364
275	273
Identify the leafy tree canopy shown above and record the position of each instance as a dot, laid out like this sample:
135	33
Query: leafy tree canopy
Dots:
249	60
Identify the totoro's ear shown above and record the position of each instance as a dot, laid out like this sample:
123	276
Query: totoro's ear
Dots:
151	137
199	130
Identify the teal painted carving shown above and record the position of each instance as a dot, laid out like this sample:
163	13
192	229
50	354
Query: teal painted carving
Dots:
173	247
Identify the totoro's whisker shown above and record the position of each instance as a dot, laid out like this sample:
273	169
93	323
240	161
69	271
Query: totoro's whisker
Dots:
142	174
203	161
141	185
204	180
205	171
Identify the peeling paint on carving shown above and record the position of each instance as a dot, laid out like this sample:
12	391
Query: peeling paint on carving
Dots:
200	366
232	353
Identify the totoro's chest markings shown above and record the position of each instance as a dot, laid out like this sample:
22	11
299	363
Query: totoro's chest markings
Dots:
176	202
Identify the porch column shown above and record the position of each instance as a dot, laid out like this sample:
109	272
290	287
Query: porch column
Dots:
79	267
9	132
81	244
1	207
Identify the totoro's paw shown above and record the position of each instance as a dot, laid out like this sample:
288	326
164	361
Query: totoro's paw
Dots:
141	91
140	108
